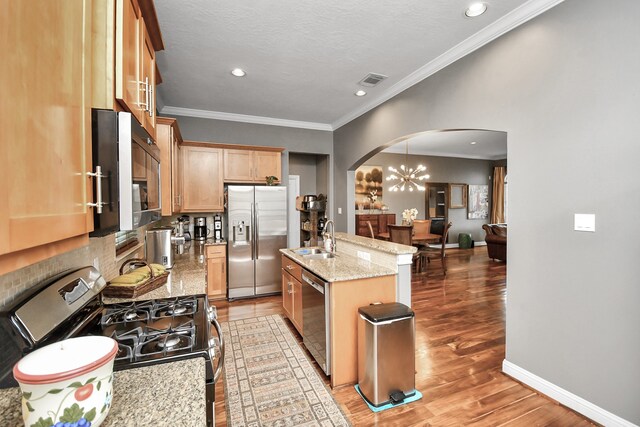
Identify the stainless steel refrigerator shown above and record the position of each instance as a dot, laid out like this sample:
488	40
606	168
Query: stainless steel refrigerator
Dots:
257	229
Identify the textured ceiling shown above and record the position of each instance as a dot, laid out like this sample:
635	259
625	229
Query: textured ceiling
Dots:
303	58
490	145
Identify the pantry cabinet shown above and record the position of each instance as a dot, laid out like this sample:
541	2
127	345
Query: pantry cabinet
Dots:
203	187
216	272
251	166
46	115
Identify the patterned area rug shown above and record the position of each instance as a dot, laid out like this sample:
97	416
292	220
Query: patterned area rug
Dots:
268	380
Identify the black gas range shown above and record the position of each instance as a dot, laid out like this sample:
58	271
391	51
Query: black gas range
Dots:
147	332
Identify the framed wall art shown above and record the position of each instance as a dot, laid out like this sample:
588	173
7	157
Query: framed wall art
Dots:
478	202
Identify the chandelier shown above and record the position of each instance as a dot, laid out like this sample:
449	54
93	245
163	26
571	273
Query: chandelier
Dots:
407	177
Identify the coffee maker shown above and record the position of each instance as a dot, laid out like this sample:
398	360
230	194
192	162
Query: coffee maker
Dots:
200	230
217	227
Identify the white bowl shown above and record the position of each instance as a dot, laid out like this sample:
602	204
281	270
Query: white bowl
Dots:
69	381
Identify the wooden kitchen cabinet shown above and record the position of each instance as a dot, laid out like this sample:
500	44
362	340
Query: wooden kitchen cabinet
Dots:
168	140
202	185
292	292
216	272
147	81
128	56
251	166
46	130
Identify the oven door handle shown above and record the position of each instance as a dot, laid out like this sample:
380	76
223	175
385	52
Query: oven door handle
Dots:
220	365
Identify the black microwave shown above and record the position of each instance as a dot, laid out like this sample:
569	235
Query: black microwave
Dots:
127	189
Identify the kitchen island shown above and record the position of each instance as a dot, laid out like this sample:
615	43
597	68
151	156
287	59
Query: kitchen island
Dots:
188	275
359	273
168	394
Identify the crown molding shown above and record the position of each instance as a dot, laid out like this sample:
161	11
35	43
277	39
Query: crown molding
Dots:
513	19
244	118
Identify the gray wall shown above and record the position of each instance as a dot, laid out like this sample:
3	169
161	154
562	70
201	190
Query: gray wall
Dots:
440	169
565	88
304	165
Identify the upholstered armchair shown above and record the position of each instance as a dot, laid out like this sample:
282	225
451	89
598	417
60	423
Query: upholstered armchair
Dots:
496	239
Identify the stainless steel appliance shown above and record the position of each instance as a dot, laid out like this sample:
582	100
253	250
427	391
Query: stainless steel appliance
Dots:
148	332
127	168
315	319
200	230
159	241
386	353
217	227
257	229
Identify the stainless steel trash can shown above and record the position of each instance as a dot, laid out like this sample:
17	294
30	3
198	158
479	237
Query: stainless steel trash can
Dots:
386	353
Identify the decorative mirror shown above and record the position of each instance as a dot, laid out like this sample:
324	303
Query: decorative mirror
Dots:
457	196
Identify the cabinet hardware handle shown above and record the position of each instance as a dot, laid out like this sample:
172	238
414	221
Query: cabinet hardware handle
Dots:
151	103
289	267
290	291
98	179
144	104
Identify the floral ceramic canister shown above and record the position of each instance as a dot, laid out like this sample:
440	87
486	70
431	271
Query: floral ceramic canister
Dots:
69	381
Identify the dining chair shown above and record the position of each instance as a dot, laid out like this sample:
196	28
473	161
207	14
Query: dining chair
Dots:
421	226
436	252
402	234
373	236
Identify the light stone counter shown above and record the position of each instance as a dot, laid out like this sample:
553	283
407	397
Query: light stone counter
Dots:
187	275
166	394
378	245
340	268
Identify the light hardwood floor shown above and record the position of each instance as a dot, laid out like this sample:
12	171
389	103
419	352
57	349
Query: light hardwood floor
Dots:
460	346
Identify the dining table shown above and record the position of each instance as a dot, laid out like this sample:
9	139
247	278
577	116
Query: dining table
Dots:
417	238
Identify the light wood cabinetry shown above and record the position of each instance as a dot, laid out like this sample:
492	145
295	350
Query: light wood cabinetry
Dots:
139	159
292	291
46	128
216	272
251	166
287	294
128	52
168	140
203	187
147	81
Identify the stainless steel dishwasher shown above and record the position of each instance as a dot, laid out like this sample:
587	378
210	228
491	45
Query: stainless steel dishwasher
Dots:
316	319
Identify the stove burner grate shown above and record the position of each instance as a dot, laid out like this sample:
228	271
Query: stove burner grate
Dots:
175	307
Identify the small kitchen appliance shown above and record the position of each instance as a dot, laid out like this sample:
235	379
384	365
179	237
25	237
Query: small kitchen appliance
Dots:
200	230
159	240
147	332
217	227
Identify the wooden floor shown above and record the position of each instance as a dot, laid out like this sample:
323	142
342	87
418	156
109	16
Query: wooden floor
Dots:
460	346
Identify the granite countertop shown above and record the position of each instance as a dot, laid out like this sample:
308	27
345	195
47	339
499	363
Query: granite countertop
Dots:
187	275
379	245
166	394
340	268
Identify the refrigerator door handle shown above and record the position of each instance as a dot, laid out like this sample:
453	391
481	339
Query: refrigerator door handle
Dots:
252	236
256	229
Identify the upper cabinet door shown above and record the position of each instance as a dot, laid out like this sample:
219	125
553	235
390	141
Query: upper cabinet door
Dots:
128	46
46	122
202	174
266	163
147	81
238	165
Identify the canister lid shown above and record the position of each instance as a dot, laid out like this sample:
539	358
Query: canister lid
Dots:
65	359
384	312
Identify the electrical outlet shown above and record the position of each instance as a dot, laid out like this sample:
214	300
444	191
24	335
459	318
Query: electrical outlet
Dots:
584	222
364	255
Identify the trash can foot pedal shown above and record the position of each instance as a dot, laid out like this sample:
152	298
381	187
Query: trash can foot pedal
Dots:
397	397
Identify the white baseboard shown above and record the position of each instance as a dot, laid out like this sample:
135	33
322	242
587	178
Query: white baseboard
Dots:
565	397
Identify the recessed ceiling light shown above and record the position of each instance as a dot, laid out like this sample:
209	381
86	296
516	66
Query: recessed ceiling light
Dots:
473	142
238	72
475	9
360	93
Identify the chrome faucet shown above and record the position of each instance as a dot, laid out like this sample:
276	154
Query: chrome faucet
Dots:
332	245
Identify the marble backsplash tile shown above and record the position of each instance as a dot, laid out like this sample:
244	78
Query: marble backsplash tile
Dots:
101	248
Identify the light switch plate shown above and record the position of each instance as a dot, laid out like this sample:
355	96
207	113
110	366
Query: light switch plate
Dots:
339	211
364	255
584	222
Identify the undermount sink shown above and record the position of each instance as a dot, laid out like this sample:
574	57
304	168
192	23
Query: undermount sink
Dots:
313	253
321	255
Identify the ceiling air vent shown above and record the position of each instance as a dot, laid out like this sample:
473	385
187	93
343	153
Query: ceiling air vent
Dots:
372	79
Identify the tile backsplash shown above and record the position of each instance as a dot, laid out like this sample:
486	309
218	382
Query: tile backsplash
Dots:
101	248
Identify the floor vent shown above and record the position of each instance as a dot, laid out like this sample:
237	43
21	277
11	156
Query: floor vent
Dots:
372	79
